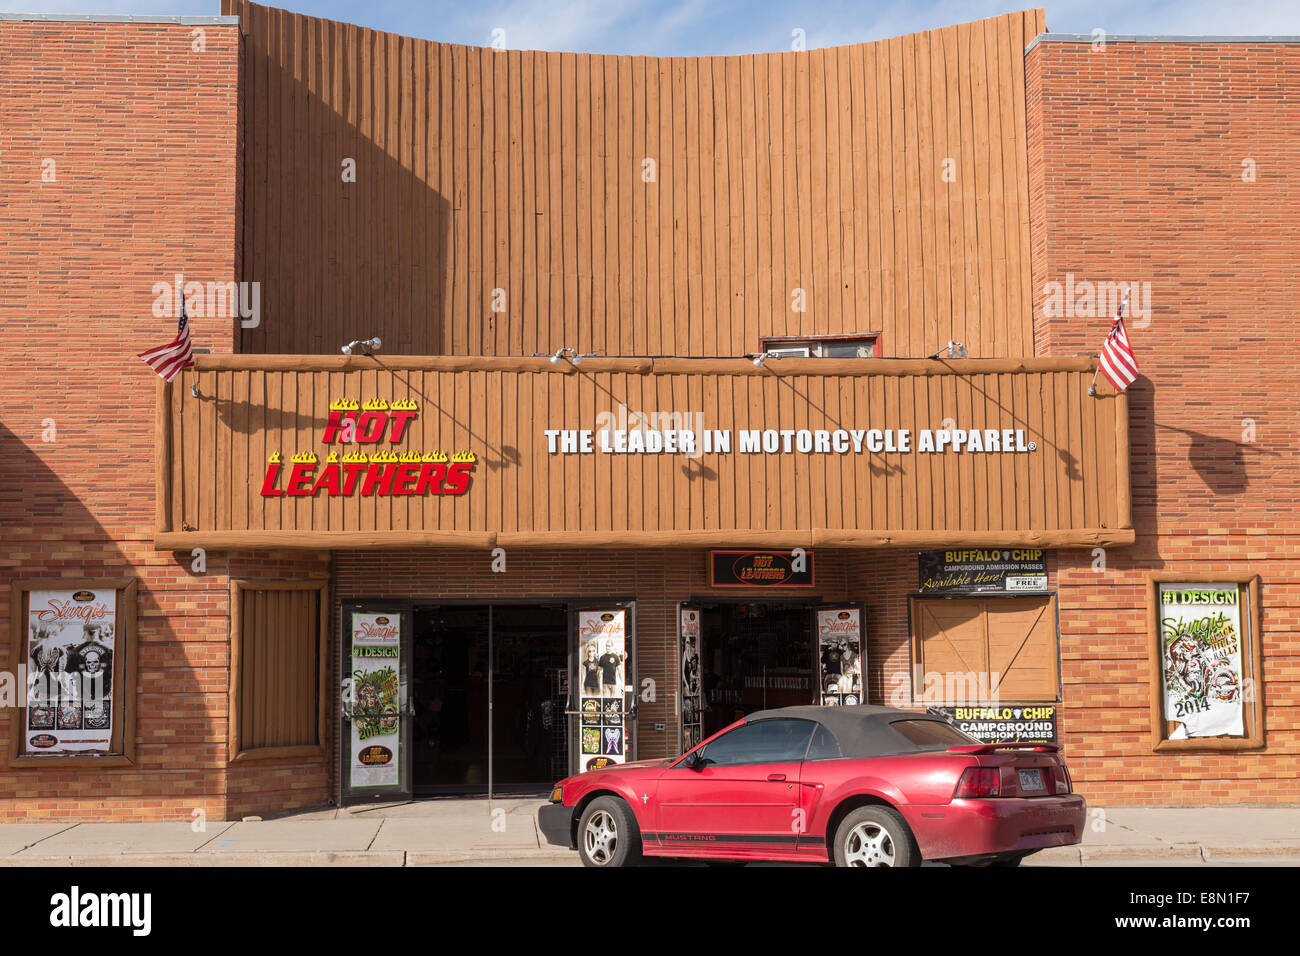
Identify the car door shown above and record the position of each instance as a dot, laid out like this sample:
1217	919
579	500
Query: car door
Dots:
743	793
822	766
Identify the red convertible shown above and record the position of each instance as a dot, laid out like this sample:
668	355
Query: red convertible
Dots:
856	786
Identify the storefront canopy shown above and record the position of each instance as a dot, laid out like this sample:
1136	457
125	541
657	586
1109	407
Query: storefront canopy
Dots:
381	452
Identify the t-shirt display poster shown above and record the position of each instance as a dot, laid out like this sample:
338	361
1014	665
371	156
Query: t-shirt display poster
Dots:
376	700
70	645
692	715
602	682
1200	641
839	644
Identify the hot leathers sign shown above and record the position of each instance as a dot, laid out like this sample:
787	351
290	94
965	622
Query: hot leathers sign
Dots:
364	468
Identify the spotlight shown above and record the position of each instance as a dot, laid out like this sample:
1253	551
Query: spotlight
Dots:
954	350
366	346
760	358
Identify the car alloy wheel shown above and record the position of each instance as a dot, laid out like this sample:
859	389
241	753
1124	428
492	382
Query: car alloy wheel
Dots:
600	837
874	836
869	844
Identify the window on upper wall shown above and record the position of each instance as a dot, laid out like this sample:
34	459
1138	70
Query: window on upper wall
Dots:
828	346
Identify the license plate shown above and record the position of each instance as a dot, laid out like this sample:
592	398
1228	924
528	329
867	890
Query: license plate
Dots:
1031	780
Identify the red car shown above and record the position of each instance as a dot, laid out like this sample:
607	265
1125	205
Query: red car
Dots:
855	786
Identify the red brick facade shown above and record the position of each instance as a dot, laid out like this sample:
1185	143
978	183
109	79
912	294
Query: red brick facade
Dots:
138	141
1135	174
1140	156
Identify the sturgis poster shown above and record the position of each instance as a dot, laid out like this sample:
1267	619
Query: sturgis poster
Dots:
839	640
692	715
1200	640
70	682
602	681
376	700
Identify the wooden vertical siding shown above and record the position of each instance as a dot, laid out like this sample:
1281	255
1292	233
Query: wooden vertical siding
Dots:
522	171
1068	491
279	635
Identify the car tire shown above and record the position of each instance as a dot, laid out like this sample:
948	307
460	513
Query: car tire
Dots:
608	835
875	836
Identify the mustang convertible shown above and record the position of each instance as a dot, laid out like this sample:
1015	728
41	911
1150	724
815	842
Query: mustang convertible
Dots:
855	786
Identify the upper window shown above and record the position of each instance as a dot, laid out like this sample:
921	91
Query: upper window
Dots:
830	346
766	741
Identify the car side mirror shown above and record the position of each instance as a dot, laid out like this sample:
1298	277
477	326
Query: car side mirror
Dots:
694	761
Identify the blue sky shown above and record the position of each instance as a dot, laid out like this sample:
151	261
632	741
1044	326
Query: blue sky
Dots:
716	27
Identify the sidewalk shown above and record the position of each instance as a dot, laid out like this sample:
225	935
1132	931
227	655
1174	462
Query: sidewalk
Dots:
504	833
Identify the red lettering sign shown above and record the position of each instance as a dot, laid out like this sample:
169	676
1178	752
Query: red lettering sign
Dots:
377	473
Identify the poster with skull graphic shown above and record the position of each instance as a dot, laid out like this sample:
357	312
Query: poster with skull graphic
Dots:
839	645
70	647
1200	642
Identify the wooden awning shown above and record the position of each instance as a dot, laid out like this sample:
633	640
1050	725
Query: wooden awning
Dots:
519	452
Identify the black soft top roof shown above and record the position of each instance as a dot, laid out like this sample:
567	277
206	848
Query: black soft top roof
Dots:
861	730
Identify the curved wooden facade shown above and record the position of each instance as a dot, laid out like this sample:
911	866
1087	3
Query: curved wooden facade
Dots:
500	203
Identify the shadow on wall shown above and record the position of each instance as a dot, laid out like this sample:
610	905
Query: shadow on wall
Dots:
48	534
346	241
1221	463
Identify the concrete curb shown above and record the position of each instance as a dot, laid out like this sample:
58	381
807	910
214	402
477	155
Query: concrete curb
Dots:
1172	852
1253	850
538	857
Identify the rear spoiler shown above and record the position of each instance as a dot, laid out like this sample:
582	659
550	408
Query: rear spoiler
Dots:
994	748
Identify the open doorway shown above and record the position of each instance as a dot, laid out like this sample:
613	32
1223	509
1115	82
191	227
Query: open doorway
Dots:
754	656
517	654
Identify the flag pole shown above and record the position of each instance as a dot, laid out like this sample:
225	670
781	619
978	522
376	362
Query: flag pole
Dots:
194	372
1092	386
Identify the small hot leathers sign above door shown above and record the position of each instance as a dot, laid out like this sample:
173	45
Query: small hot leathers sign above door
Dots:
745	569
380	472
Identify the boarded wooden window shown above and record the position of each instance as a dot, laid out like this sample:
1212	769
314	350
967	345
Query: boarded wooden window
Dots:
277	669
1009	644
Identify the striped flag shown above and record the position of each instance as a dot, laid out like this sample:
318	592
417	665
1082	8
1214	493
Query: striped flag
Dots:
1117	362
170	359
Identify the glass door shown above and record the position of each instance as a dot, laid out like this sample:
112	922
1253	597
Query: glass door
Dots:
841	662
690	711
603	685
375	703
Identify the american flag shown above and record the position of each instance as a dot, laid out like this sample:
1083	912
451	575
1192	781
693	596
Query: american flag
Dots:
170	359
1117	362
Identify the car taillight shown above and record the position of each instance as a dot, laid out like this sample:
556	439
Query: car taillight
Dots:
979	782
1063	780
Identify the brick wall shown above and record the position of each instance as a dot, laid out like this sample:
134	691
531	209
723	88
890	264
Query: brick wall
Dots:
119	161
1136	175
